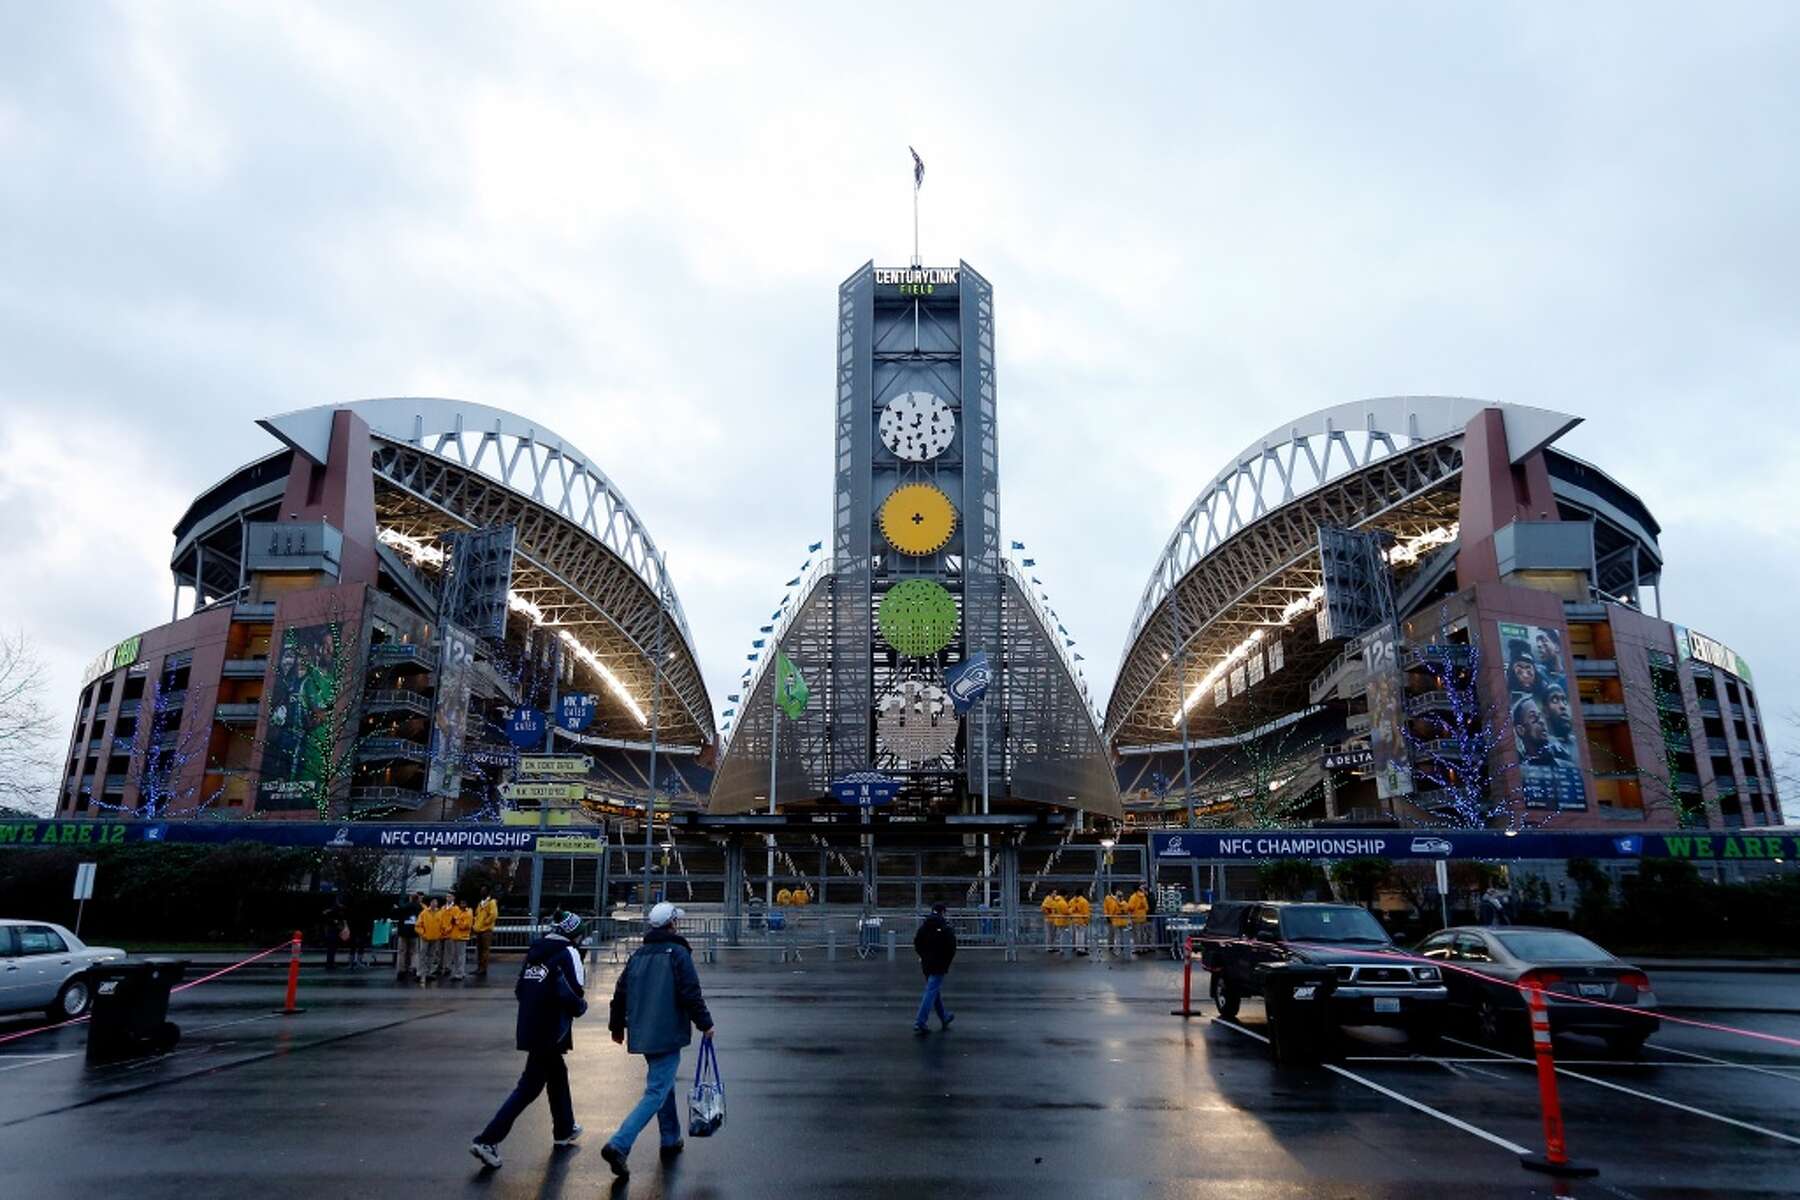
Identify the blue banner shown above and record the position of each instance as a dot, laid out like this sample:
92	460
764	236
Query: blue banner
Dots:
1256	845
967	682
575	711
866	788
525	728
447	836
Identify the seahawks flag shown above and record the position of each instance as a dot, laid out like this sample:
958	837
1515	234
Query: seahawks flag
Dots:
918	169
791	692
968	681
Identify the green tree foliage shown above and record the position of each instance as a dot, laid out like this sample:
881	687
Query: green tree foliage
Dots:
1290	879
1361	879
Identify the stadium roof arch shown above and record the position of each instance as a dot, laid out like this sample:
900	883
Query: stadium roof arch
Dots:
1243	563
585	563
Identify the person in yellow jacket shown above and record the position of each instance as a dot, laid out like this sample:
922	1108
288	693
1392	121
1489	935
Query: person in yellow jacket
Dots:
1139	908
1116	920
1056	913
431	940
1080	913
487	915
459	923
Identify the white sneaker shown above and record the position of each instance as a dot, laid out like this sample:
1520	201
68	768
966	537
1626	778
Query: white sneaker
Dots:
488	1155
569	1138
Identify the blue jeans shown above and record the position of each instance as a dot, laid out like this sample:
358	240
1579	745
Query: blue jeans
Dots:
933	998
657	1101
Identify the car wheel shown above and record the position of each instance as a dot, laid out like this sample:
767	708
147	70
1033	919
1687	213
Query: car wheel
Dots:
1224	997
1490	1022
1626	1043
73	1001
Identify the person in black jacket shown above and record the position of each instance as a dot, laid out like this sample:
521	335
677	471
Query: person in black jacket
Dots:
935	944
550	992
406	937
658	1001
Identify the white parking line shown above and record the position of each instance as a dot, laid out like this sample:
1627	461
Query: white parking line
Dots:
1722	1062
241	1021
1652	1097
1391	1094
1636	1063
33	1060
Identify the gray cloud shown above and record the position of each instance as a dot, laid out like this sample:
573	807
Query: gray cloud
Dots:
1200	220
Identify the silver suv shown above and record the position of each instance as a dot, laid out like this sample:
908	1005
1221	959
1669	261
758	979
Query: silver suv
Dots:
44	966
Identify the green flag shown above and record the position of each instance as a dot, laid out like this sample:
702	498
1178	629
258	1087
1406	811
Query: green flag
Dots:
791	692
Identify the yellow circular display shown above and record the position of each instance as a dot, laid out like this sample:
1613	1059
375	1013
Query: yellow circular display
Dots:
918	519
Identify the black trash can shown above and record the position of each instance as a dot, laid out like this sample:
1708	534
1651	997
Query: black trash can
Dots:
130	1017
1301	1025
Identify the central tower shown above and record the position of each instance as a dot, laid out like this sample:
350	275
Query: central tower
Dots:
916	586
915	520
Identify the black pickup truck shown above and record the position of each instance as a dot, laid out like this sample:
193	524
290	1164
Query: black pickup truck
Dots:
1244	940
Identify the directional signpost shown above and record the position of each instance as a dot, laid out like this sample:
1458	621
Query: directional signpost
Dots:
546	791
84	890
866	788
575	711
555	764
525	728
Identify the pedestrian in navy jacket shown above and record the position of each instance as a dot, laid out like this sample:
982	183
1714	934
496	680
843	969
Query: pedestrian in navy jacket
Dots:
935	944
657	1001
550	992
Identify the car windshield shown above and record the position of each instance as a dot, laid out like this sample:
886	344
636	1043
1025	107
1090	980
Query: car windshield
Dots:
1331	925
1551	945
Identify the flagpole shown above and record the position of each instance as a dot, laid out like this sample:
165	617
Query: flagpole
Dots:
918	180
987	874
774	731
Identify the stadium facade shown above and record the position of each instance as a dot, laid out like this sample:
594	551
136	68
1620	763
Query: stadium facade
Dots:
368	609
1419	610
916	603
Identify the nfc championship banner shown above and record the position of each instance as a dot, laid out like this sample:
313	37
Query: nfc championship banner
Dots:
447	837
1258	845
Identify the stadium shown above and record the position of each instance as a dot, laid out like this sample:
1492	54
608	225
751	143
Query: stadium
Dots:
359	614
1418	610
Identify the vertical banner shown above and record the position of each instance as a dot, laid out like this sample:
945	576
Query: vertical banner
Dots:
303	732
1537	704
1387	741
450	714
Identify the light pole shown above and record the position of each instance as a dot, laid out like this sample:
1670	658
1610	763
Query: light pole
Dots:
1106	859
656	661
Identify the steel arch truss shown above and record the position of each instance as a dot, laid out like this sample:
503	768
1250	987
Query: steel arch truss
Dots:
1246	581
575	581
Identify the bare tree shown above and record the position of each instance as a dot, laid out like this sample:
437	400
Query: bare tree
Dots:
28	758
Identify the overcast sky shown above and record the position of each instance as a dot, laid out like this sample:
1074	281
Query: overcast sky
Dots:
1200	221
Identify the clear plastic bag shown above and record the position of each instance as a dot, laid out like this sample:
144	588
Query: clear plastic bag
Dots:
706	1102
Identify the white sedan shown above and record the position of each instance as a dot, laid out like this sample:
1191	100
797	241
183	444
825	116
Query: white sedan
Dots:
44	966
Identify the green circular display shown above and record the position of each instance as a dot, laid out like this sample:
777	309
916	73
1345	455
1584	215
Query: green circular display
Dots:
918	618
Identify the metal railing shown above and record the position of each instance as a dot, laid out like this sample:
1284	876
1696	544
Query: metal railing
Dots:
799	935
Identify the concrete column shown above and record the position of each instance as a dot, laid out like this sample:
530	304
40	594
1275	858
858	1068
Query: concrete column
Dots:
1009	895
734	891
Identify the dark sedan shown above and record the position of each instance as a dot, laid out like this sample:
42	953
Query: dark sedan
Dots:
1484	963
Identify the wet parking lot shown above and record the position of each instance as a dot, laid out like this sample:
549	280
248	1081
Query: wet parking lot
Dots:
1060	1077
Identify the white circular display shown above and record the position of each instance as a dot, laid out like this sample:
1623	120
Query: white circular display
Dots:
916	722
917	426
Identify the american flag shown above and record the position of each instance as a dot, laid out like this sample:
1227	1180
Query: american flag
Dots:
918	169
